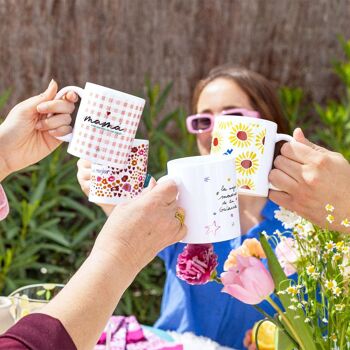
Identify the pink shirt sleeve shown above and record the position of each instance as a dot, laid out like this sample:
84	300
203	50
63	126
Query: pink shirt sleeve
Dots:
37	332
4	206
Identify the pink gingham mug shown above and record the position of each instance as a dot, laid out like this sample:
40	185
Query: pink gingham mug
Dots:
105	126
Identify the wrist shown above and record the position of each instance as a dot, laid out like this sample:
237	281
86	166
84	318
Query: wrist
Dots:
114	263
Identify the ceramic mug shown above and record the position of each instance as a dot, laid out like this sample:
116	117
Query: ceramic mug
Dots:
109	185
252	142
207	193
105	126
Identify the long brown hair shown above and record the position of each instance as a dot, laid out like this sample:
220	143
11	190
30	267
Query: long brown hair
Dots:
260	91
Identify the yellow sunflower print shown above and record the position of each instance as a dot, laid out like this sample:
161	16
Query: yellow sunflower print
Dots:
247	184
247	163
224	124
216	142
241	135
260	141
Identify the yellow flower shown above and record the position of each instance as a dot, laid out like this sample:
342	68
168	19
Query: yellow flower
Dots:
224	124
250	247
329	207
330	245
337	256
254	248
331	284
231	260
247	163
216	142
292	290
337	291
310	269
340	245
260	141
330	218
345	223
247	184
339	307
333	337
241	135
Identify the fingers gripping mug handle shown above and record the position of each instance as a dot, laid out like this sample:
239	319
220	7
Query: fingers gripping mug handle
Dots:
79	91
280	137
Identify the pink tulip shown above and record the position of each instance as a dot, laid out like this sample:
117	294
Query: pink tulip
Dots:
249	281
287	254
197	263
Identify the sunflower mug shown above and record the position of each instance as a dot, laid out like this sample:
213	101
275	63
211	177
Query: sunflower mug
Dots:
252	142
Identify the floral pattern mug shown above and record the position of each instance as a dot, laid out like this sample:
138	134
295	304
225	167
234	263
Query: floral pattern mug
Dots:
111	185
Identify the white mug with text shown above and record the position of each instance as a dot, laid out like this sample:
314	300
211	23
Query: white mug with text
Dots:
207	193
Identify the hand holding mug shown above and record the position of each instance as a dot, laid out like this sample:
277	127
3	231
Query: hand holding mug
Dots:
312	177
151	226
27	136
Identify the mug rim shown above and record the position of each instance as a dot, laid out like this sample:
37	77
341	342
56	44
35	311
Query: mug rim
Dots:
139	141
243	118
193	161
115	92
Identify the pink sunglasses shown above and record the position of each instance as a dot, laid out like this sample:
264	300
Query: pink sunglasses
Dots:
204	122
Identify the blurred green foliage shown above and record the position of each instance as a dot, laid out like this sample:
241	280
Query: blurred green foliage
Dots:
52	226
330	126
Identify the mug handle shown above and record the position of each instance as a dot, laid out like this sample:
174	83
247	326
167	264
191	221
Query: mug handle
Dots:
79	91
280	137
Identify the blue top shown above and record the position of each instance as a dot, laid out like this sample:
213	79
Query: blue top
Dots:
203	309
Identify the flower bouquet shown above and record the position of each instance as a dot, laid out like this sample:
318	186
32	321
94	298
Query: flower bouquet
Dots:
312	307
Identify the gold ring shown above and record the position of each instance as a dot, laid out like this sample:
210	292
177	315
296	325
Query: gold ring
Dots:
180	215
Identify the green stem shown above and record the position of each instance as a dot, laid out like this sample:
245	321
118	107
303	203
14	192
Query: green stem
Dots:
287	322
342	337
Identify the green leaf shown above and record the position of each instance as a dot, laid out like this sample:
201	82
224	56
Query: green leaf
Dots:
54	236
283	341
70	203
86	231
295	317
38	193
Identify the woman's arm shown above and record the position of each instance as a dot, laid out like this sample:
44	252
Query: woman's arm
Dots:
130	238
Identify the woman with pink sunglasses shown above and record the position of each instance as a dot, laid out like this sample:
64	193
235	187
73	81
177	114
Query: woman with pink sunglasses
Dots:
204	310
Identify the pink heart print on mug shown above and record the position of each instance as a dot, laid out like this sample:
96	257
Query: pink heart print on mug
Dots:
252	142
109	185
105	126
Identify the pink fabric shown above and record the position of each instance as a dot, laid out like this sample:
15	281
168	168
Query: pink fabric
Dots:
4	206
127	334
